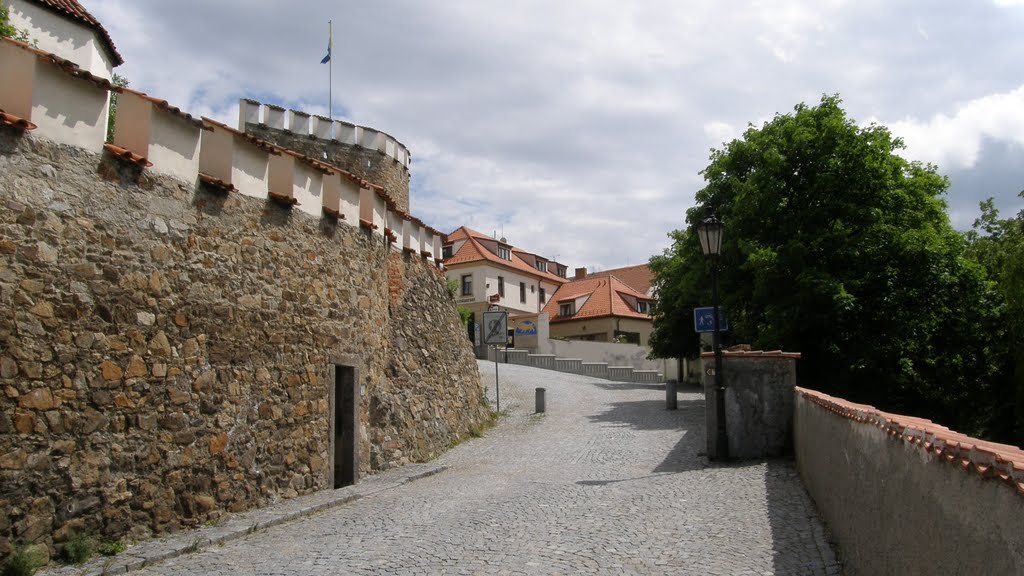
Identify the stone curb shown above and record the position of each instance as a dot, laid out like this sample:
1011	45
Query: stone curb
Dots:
240	525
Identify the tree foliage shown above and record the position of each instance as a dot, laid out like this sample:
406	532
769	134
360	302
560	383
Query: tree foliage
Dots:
8	30
122	82
837	247
999	246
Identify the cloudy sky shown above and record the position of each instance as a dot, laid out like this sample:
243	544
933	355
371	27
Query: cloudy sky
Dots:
578	128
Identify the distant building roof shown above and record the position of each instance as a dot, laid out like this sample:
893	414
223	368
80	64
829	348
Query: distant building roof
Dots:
607	297
639	277
72	9
474	250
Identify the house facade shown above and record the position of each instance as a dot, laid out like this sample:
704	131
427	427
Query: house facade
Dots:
492	274
603	307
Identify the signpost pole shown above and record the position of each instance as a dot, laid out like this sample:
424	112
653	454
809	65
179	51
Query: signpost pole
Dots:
496	332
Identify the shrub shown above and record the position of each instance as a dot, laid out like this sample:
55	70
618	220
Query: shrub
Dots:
111	548
23	561
79	548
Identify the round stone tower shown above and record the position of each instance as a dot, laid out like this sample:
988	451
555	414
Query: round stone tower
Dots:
368	153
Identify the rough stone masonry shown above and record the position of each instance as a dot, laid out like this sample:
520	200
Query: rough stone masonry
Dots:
166	353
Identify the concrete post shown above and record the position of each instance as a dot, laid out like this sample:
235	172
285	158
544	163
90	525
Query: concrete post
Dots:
671	401
539	401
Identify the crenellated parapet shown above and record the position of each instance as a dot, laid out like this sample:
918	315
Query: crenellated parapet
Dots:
60	102
366	152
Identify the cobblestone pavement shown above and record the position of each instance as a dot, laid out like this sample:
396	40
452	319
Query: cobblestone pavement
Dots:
606	482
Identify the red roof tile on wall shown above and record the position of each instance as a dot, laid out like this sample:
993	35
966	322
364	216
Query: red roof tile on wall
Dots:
753	354
75	11
988	459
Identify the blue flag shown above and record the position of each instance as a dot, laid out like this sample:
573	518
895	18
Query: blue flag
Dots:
328	57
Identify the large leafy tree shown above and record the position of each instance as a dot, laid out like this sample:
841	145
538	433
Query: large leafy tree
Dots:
839	248
998	245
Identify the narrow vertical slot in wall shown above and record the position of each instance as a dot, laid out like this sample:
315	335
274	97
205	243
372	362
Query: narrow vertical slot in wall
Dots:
345	442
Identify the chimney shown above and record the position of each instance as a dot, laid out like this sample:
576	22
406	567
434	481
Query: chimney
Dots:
581	273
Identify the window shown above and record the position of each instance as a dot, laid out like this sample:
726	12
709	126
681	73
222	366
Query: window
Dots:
501	286
542	298
541	265
643	306
446	252
522	292
504	253
562	270
567	309
627	337
467	285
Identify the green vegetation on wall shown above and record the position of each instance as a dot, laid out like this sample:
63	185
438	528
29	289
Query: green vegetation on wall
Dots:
8	30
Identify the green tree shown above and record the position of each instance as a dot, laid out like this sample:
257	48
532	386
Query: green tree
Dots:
8	30
837	247
121	82
999	246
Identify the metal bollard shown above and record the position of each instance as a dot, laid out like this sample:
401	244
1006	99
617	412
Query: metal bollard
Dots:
671	402
540	400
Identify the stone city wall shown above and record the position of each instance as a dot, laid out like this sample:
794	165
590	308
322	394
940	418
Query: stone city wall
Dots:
167	350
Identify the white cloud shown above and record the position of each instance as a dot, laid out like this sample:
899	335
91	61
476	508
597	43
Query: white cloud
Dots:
582	125
955	141
719	133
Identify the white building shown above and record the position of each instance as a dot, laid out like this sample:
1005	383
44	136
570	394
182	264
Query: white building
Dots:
65	28
491	272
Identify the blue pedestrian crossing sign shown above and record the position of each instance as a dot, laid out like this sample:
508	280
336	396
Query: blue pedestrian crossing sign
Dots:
704	319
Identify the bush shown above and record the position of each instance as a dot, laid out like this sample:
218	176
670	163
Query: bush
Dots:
23	561
79	548
111	548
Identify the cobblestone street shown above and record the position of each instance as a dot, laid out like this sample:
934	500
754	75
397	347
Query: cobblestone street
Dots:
607	482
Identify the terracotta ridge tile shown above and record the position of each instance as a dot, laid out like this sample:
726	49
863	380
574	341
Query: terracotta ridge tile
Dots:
1004	462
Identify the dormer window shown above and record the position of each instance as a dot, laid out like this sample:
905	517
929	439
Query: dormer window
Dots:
562	270
541	265
504	253
567	308
643	306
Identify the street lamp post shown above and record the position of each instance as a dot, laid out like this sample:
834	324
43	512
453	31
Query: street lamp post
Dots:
710	233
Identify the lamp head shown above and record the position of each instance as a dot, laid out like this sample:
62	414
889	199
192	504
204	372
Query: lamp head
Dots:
709	231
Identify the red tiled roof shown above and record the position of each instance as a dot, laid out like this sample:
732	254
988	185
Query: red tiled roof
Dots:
639	277
606	299
473	251
72	9
988	459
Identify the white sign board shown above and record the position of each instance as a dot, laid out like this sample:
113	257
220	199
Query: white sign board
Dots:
495	328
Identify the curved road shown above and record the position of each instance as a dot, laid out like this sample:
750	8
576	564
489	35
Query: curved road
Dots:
607	482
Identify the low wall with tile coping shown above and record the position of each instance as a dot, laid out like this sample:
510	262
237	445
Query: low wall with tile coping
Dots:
903	495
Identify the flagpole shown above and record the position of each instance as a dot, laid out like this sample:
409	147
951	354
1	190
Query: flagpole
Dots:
330	71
